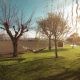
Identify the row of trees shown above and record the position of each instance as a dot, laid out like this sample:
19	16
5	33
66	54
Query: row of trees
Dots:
54	26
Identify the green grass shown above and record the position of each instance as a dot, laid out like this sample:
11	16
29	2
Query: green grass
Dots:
42	66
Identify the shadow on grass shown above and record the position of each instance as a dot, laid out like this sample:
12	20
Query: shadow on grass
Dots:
37	67
72	73
57	64
12	59
66	75
45	64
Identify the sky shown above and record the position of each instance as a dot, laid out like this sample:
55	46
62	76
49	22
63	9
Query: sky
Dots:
41	8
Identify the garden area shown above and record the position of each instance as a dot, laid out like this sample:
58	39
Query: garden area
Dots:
42	65
39	39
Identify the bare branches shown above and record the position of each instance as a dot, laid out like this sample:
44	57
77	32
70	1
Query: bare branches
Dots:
13	22
2	28
54	24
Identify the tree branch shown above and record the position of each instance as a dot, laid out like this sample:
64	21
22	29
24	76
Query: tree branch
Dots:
2	28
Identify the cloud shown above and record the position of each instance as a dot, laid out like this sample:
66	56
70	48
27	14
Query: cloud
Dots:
29	34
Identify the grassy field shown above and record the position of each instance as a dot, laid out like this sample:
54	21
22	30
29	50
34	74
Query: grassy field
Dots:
42	66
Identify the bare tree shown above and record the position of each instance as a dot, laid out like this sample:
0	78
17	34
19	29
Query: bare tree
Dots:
13	24
74	39
44	28
54	26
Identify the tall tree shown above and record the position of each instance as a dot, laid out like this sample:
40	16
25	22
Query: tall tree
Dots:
54	26
13	24
45	29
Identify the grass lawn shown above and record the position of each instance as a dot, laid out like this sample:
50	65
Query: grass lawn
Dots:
42	66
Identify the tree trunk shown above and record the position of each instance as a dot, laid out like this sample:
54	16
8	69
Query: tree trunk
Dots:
56	52
73	42
14	47
49	44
